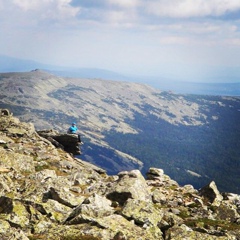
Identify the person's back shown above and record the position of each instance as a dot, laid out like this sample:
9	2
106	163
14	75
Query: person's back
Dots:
73	130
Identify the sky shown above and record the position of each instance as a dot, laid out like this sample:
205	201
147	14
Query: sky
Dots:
191	40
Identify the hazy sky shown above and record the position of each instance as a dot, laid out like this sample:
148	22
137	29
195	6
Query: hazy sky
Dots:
194	40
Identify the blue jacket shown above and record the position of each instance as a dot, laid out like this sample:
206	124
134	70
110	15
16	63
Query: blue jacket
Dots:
72	129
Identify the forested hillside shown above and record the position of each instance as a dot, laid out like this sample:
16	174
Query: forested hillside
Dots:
194	138
193	154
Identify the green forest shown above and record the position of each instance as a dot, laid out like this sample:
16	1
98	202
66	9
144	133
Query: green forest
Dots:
211	150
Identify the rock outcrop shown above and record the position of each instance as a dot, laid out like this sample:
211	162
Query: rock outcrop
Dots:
68	142
47	194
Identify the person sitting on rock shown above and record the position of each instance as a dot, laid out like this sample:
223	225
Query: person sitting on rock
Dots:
73	130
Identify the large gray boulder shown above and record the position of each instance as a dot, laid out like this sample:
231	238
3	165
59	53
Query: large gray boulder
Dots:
68	142
92	208
184	232
129	185
211	193
144	214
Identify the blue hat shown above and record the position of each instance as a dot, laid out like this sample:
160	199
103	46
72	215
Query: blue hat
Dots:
73	123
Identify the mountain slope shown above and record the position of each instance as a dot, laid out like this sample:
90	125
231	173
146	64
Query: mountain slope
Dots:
125	125
48	194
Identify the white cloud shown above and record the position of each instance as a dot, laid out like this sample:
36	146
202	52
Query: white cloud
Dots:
191	8
116	17
52	9
124	3
232	42
173	40
92	33
27	5
121	19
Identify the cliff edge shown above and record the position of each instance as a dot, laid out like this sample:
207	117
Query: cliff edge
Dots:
48	194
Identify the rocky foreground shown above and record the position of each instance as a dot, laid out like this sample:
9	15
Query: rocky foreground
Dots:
48	194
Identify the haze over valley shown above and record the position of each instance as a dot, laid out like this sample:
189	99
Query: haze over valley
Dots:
223	85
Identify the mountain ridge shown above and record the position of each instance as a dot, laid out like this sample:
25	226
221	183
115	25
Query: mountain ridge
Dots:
187	86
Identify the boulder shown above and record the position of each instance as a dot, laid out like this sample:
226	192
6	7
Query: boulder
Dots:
156	177
155	173
211	193
159	197
184	232
5	112
59	189
169	220
56	210
120	228
143	213
14	212
129	185
227	212
92	208
68	142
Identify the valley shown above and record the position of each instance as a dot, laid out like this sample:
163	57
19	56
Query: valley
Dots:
125	125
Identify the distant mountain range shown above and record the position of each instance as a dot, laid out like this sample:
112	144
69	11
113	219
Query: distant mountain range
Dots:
10	64
126	125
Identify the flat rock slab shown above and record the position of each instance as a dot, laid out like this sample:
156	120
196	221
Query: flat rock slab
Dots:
68	142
